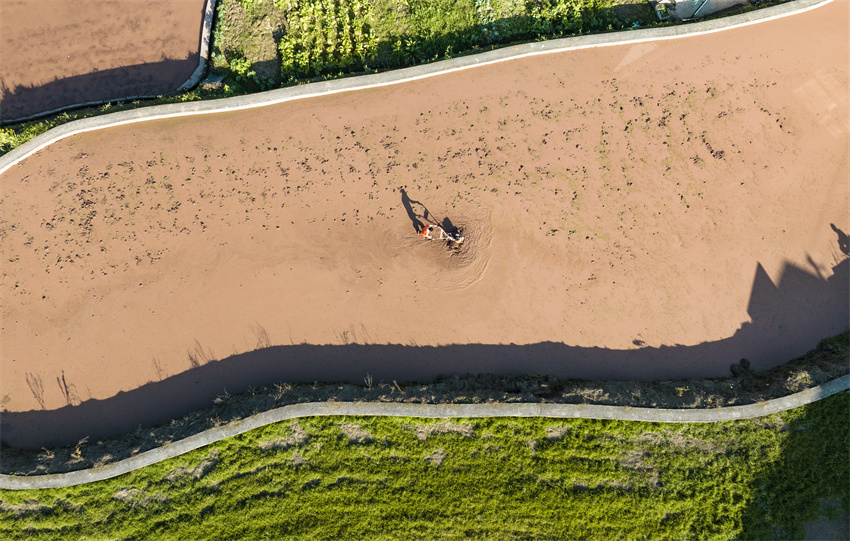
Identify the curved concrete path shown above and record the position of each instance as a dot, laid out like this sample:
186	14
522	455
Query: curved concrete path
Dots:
398	76
392	409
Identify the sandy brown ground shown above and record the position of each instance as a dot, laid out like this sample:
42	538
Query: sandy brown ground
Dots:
56	53
614	200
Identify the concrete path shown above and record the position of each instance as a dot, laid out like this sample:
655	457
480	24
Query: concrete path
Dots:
390	409
399	76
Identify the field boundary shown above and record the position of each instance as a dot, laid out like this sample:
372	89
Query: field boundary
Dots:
387	78
206	39
384	409
193	80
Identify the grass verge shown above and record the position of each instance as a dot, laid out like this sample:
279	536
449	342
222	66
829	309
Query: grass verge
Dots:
505	478
16	135
828	361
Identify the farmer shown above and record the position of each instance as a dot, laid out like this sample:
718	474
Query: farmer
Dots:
427	229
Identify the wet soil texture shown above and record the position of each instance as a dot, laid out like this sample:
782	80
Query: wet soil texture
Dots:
651	212
59	53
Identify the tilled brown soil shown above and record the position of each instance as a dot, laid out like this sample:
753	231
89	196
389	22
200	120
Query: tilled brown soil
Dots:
647	212
58	53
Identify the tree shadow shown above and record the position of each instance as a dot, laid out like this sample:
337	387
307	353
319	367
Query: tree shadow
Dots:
144	80
128	82
843	240
788	319
814	465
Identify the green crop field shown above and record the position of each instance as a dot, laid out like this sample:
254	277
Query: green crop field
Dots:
262	44
505	478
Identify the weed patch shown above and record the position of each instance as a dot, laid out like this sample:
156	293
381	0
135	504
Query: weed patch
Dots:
354	433
297	437
423	431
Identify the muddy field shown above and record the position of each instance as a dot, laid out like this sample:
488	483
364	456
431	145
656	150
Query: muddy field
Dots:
58	53
648	212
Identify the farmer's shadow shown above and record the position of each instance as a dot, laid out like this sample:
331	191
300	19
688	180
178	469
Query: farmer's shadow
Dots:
408	206
426	215
843	240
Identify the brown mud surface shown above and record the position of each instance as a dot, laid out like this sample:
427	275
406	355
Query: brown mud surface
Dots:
59	53
646	212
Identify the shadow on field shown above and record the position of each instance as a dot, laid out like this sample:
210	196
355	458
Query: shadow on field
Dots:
788	319
814	465
408	203
102	86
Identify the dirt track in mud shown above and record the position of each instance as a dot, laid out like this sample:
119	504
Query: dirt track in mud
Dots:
629	212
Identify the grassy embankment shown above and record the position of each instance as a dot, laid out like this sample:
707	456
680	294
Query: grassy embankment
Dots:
265	44
505	478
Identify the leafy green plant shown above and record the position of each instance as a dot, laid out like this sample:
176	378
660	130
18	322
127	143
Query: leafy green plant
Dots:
241	66
326	37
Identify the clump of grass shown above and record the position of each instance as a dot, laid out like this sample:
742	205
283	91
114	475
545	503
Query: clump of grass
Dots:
583	479
296	437
355	433
836	344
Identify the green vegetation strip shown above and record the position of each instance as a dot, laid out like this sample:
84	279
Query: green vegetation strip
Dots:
314	409
494	478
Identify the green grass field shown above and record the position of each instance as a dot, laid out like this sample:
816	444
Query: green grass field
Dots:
506	478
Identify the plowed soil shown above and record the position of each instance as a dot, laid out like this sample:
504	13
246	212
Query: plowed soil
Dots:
58	53
650	212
